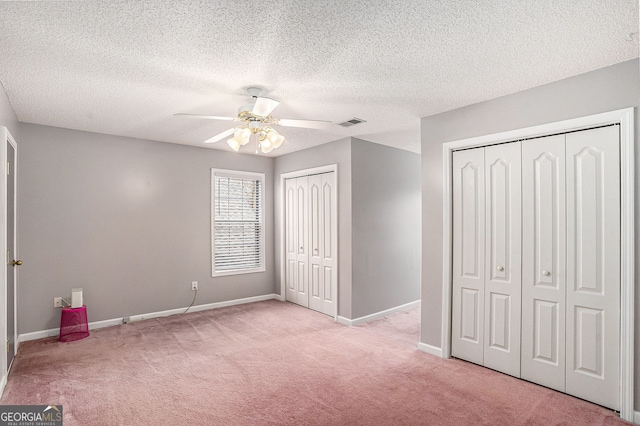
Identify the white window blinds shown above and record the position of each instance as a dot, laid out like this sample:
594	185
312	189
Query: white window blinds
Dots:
237	216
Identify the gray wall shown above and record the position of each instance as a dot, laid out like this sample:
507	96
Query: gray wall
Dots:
7	115
126	219
338	152
385	227
603	90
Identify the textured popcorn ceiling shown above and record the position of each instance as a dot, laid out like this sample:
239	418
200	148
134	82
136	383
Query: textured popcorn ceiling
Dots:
125	67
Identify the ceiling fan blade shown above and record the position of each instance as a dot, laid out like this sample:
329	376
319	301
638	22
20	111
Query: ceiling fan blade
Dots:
221	136
208	117
264	106
307	124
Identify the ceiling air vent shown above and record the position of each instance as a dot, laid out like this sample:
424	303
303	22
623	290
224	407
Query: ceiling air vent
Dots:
352	122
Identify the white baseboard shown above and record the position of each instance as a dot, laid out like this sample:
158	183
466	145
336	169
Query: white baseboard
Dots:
636	417
377	315
430	349
344	321
117	321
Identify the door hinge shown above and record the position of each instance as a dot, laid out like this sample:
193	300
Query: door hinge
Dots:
8	165
7	257
7	346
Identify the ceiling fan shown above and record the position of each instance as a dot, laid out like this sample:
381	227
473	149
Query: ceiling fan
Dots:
255	118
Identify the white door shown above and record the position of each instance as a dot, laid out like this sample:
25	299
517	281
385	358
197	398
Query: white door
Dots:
543	268
468	255
323	244
291	240
502	283
11	251
302	242
316	221
329	237
569	287
593	265
8	281
296	223
311	233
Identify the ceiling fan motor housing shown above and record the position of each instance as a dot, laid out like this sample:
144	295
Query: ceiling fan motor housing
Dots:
255	91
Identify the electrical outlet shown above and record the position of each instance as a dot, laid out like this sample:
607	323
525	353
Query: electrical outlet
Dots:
194	285
57	302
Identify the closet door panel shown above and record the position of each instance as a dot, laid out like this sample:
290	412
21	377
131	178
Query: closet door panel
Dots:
316	234
593	265
302	234
291	242
468	255
502	284
329	243
543	261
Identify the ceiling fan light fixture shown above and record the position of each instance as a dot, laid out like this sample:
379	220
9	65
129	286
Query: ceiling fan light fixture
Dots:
264	142
265	149
234	144
242	136
266	146
275	138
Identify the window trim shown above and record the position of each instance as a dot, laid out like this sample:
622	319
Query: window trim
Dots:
244	175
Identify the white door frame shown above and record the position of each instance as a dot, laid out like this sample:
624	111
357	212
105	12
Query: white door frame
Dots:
5	137
625	118
283	228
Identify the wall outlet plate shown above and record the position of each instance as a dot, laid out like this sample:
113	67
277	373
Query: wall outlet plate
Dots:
57	302
194	285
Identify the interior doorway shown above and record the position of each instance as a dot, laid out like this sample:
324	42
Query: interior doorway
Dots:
8	192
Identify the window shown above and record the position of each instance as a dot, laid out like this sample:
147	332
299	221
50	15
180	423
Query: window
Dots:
237	229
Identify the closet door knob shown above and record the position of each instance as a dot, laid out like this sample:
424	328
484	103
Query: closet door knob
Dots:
546	273
500	268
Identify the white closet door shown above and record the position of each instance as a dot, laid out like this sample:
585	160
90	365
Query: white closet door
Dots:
291	243
316	246
593	265
502	284
329	244
302	234
468	255
297	262
543	266
323	244
311	234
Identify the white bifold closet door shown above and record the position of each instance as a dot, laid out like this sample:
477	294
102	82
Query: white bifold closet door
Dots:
593	265
310	235
556	322
544	268
467	313
486	259
297	235
571	279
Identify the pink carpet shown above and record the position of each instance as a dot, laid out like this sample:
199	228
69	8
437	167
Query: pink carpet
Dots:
273	363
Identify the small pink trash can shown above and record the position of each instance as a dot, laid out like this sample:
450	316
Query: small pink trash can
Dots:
73	324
